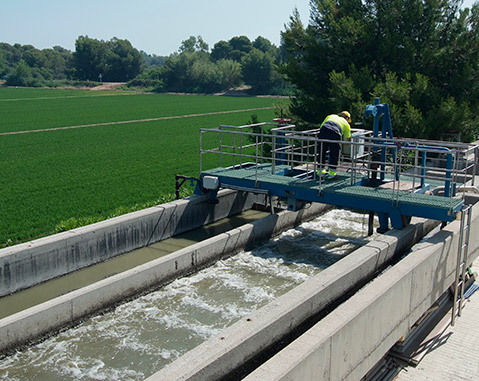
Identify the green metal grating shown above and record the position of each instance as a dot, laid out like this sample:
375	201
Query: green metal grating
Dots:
340	186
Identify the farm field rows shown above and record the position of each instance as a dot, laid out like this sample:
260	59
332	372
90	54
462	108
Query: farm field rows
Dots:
87	174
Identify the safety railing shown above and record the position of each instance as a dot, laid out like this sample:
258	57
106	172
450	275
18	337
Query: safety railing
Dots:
403	165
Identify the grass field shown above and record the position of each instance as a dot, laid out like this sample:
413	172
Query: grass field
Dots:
65	177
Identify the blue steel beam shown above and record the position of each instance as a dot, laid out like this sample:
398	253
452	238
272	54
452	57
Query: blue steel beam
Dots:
340	194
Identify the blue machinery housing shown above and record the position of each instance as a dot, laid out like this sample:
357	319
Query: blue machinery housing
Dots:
390	177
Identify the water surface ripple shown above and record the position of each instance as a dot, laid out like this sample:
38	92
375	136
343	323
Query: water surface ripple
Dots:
140	337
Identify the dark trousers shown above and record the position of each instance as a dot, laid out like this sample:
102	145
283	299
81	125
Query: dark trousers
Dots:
323	147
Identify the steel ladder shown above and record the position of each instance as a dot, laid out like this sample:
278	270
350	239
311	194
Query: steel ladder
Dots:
461	268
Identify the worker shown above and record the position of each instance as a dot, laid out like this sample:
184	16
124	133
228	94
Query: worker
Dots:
334	127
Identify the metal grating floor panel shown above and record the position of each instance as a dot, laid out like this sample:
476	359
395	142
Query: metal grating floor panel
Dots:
341	186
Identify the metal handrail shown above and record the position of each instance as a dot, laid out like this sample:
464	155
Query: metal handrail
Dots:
300	148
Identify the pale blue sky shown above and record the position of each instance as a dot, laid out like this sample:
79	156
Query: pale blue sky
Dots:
155	26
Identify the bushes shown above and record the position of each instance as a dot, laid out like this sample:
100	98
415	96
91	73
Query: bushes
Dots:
146	84
196	73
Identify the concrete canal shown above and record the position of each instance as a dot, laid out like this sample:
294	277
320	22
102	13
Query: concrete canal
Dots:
140	337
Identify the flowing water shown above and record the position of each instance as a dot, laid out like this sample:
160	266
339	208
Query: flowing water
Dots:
140	337
42	292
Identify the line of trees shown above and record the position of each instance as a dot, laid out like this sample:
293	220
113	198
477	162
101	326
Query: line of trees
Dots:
193	68
24	65
93	60
229	64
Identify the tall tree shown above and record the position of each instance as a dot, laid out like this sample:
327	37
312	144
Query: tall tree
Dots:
115	60
265	45
90	58
258	71
124	61
221	50
421	56
240	46
194	44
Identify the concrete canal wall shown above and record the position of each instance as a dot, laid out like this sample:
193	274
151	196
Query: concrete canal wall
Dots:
27	264
345	344
350	340
228	351
64	311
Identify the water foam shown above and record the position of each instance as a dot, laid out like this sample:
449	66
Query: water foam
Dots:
140	337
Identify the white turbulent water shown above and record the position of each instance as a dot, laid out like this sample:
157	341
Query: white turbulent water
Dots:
140	337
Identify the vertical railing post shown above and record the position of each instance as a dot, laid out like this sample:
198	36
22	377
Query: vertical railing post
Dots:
474	166
315	158
241	149
234	150
201	151
256	163
221	149
273	153
263	133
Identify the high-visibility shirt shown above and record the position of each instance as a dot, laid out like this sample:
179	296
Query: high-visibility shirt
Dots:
338	124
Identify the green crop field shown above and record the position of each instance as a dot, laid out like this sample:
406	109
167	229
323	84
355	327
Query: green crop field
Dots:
70	157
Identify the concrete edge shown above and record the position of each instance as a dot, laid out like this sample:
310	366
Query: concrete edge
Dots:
348	342
30	263
225	352
30	324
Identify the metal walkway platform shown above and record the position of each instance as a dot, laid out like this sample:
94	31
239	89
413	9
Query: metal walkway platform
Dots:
394	178
338	192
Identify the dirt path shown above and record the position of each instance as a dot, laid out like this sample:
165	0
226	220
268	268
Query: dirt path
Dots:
108	86
134	121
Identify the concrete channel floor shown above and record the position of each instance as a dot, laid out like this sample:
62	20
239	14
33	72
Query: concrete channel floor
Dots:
455	356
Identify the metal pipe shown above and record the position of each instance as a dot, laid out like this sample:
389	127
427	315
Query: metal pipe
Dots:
468	188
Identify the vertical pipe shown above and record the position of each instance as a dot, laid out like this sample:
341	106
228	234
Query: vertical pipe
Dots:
371	223
447	186
177	187
423	169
